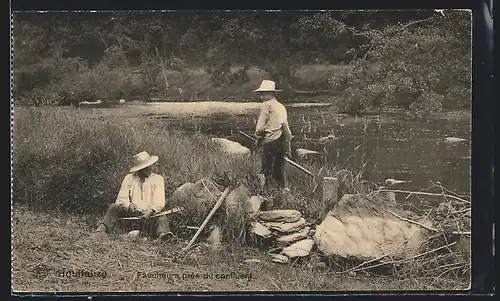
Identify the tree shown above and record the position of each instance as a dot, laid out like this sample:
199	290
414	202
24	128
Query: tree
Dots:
413	65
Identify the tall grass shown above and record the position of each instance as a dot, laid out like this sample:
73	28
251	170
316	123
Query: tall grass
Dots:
74	161
69	161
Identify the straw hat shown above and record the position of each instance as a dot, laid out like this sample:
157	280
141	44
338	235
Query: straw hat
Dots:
267	86
143	160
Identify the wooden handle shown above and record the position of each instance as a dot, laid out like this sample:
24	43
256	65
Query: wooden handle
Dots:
174	210
207	219
299	167
246	135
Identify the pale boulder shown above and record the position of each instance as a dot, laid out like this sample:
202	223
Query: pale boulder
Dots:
363	228
237	198
231	147
204	191
196	199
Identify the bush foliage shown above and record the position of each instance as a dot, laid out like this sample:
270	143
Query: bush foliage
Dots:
391	58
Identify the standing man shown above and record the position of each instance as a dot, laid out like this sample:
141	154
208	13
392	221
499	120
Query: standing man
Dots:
273	133
142	193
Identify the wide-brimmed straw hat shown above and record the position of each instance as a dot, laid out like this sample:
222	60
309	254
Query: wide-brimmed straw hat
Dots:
143	160
267	86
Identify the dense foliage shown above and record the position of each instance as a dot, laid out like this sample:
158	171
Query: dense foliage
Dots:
419	60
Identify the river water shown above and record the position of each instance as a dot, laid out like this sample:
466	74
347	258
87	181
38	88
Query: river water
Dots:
381	145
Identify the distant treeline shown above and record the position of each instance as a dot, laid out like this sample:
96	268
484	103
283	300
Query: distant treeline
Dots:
61	58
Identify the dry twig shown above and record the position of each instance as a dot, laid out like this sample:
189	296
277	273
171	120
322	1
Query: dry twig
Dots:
425	193
406	259
413	222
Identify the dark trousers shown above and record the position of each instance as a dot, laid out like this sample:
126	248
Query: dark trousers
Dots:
155	225
273	162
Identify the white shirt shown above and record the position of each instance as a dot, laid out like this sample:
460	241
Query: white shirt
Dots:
272	121
146	195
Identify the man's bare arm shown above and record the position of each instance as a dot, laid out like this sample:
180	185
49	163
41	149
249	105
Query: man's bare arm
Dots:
287	134
261	122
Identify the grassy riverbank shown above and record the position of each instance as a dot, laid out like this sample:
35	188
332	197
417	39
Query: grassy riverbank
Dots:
67	168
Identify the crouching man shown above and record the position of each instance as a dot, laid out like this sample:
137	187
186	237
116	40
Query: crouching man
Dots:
142	193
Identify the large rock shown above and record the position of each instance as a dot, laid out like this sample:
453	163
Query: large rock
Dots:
237	199
363	228
285	215
240	201
231	147
203	192
197	199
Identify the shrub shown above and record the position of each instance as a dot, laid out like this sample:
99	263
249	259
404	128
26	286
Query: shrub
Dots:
425	105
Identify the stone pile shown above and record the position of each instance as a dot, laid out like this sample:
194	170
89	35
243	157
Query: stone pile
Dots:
286	229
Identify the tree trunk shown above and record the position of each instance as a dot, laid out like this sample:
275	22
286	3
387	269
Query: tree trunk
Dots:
163	69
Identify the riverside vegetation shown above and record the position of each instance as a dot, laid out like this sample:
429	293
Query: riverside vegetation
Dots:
64	181
68	163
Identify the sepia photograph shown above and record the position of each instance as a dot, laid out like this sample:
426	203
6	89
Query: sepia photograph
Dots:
241	151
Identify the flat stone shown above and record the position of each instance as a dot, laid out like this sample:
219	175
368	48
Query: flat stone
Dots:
299	249
284	215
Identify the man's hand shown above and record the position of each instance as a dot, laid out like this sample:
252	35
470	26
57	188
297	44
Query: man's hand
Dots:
148	213
257	145
258	142
132	207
